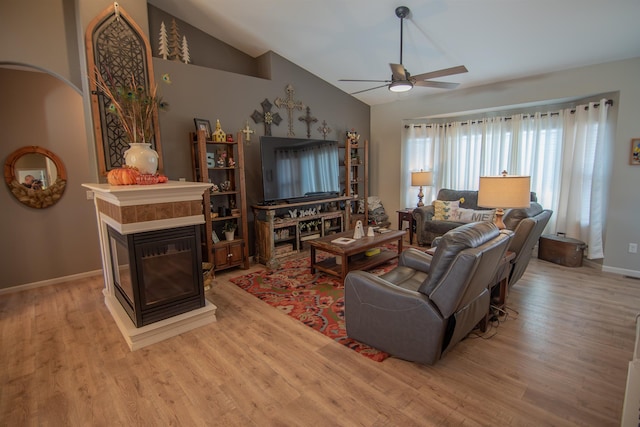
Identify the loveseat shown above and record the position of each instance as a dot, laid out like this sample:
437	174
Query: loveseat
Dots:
422	308
436	219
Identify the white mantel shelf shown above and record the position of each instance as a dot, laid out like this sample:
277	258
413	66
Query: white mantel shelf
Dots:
130	195
140	208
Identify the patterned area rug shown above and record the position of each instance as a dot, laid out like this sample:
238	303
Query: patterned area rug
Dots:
317	300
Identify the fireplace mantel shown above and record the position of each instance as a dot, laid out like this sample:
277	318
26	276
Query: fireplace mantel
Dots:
139	208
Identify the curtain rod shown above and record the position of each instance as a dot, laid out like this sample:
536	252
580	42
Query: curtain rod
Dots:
608	102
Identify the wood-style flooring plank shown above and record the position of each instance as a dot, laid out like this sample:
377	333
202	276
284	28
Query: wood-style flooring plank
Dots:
559	358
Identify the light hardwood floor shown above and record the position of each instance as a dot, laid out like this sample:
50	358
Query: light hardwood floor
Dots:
561	361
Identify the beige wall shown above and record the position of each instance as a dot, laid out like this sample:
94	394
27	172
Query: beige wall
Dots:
621	76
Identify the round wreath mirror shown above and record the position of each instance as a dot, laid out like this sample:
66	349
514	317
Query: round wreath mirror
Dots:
35	176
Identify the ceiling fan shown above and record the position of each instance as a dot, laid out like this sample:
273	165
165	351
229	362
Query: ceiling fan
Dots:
401	80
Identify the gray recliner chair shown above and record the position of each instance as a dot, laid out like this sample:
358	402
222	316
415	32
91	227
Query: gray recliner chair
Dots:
527	225
422	308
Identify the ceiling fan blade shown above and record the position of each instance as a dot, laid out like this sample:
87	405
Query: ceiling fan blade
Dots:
366	90
398	72
441	73
374	81
438	85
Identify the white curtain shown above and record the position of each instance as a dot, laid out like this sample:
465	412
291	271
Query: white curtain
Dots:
582	201
417	155
565	153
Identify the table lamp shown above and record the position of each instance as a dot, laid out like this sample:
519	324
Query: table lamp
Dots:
504	192
419	179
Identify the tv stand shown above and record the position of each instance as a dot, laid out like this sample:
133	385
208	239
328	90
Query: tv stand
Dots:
279	234
312	197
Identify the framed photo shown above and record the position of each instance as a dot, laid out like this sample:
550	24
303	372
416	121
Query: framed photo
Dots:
635	151
215	237
202	124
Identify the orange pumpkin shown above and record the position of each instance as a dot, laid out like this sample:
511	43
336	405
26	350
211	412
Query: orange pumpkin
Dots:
122	176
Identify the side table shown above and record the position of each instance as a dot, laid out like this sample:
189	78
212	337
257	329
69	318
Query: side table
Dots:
504	269
407	215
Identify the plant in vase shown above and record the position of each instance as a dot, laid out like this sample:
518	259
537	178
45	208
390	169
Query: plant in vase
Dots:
229	229
135	107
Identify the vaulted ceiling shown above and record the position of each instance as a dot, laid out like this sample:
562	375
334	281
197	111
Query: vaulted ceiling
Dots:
357	39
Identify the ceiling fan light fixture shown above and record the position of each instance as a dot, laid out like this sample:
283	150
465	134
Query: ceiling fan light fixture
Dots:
400	86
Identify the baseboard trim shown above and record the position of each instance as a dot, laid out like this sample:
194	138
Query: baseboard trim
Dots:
50	282
622	271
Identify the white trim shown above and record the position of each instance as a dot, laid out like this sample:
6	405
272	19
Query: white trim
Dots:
143	336
55	281
621	271
134	195
159	224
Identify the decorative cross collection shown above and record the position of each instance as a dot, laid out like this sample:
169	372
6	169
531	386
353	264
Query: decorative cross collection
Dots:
289	104
266	116
308	119
269	118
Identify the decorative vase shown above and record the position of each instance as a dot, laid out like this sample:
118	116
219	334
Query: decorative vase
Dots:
229	235
142	156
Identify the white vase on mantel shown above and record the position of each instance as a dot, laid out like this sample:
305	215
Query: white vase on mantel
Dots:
142	156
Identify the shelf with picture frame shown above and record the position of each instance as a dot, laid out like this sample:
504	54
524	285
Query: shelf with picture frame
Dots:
356	179
222	165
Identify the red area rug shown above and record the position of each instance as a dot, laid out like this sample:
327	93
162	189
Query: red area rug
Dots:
317	300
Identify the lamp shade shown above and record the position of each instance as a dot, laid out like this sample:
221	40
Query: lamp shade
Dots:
505	192
421	178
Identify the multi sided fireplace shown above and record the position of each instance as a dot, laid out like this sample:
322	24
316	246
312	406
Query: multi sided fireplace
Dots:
151	258
157	273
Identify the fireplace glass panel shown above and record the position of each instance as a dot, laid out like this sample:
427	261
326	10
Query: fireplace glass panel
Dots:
122	272
167	271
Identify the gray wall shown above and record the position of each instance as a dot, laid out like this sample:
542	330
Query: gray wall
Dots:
50	36
624	192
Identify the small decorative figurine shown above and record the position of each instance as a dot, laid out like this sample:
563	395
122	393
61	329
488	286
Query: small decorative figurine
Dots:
229	137
222	160
230	162
219	135
358	232
353	136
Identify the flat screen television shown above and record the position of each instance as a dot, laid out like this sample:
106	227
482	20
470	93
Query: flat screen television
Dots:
294	169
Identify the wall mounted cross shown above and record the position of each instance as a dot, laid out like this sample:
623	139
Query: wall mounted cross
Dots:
247	133
308	119
324	129
266	116
289	104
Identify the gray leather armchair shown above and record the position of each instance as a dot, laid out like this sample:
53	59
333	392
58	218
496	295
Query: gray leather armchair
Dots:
422	308
527	225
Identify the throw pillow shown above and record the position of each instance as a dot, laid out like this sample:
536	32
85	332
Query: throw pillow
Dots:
470	215
445	210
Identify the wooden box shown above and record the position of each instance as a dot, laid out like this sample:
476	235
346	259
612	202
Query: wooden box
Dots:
561	250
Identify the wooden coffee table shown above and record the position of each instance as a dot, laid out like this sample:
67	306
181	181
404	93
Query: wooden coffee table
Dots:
351	256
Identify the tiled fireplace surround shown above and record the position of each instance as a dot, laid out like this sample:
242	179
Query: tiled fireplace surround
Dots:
140	208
